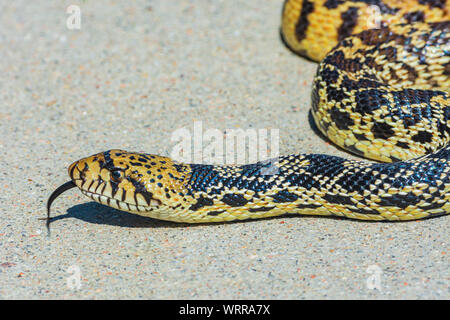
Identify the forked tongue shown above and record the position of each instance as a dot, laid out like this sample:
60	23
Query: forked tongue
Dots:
66	186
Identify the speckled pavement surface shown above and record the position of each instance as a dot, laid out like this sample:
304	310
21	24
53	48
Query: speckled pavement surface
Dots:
133	74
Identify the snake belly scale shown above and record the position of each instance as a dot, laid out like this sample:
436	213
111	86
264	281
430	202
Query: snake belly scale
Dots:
381	93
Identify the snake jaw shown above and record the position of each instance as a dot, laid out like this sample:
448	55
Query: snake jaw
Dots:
122	205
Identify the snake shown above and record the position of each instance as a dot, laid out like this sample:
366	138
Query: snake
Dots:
381	92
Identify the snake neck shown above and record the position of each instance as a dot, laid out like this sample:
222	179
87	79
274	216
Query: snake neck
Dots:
318	184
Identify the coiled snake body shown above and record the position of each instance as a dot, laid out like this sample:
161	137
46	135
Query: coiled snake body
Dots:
381	93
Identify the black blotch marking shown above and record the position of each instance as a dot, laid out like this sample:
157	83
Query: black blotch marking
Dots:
422	137
342	119
412	73
349	21
303	22
201	202
145	156
284	196
215	213
380	36
309	206
367	101
399	200
234	200
136	164
403	145
101	164
338	199
384	8
415	16
360	137
333	4
140	188
337	59
370	61
382	130
389	52
347	43
433	3
142	159
329	76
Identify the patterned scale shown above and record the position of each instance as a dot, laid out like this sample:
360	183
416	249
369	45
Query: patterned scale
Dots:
380	92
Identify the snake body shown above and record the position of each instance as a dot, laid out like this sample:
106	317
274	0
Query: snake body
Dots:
380	93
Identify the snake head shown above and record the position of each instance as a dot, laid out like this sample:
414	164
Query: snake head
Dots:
133	182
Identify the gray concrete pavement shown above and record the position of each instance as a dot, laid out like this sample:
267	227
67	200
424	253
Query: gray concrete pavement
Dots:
128	78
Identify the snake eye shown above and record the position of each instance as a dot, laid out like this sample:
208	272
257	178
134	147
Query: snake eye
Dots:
116	175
